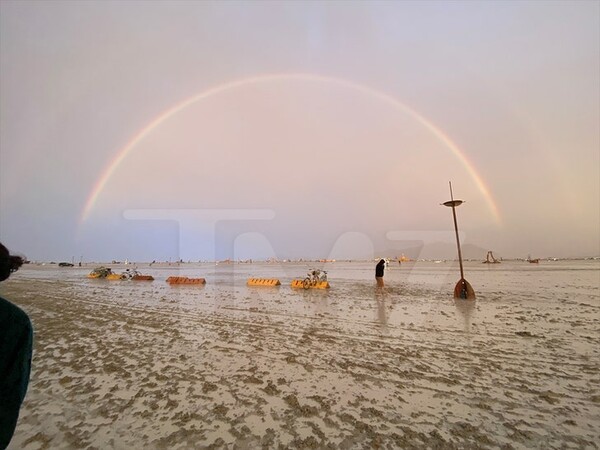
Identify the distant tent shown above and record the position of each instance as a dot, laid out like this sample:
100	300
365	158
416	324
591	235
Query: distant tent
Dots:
489	259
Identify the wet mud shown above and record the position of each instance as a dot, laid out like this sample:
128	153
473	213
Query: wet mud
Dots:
226	366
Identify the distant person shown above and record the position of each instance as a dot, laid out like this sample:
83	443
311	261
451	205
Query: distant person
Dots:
16	342
379	268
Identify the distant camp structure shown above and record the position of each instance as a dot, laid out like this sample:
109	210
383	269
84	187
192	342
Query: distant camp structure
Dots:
489	259
402	259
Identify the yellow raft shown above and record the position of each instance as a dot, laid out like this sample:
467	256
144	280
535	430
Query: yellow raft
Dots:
263	282
185	280
142	277
306	284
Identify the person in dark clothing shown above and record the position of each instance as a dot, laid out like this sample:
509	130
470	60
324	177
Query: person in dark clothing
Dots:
16	344
379	268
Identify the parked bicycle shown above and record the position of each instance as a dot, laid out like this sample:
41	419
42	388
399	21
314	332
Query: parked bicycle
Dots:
314	277
129	274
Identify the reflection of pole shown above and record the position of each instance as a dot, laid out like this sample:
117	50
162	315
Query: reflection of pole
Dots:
456	231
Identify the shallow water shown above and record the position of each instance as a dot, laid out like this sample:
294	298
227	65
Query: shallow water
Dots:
124	364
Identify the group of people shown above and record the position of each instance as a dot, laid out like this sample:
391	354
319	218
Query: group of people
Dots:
16	344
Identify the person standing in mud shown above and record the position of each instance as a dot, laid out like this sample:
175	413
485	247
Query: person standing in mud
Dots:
16	344
379	268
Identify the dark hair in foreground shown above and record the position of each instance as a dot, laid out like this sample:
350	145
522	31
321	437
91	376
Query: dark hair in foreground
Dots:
8	263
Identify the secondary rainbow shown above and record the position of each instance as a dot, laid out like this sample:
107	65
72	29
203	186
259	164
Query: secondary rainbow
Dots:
140	135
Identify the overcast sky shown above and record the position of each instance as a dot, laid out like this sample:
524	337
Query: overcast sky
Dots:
200	130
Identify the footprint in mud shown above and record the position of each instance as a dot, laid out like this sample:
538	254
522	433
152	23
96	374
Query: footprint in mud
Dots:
271	388
208	387
298	409
252	380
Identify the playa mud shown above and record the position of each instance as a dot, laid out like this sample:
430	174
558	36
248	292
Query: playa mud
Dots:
124	364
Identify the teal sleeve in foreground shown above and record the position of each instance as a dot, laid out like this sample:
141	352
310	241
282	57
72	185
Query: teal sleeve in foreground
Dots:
16	344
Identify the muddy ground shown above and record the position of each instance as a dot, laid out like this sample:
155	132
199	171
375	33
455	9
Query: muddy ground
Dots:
226	366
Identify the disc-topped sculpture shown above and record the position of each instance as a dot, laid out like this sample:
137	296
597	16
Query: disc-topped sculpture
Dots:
462	289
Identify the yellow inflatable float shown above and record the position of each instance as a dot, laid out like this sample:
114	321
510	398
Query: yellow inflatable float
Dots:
263	282
185	280
308	284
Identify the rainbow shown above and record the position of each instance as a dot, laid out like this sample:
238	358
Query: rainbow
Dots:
144	132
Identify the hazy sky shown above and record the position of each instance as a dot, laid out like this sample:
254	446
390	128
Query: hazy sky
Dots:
157	130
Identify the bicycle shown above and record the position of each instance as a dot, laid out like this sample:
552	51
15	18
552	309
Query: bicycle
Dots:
129	274
314	277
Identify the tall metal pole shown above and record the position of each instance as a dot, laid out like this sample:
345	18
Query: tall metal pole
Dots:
462	276
462	289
